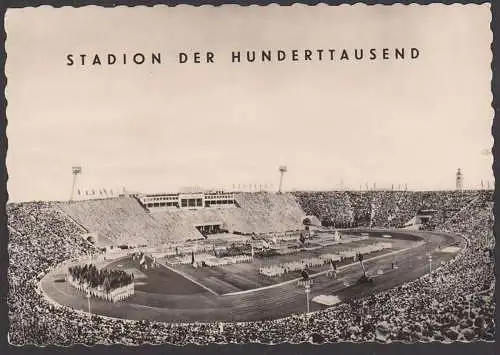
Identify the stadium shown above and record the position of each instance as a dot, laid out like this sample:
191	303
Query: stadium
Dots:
390	99
238	267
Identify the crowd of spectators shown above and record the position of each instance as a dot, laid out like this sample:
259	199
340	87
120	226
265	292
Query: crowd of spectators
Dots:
40	237
456	302
383	208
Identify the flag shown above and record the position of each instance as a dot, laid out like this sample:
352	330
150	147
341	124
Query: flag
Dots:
105	192
86	192
275	240
93	192
143	259
265	244
192	257
79	193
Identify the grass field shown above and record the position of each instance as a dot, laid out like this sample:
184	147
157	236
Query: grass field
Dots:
245	276
160	280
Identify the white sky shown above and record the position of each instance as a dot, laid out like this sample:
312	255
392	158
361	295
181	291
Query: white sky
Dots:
157	128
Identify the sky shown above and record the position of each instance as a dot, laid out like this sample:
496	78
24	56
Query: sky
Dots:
162	127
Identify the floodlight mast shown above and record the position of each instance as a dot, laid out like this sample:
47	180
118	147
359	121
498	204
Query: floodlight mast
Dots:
282	169
76	170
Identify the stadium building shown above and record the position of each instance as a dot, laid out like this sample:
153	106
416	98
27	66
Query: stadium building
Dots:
195	200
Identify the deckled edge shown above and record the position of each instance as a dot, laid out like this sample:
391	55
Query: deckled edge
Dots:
4	238
4	255
495	84
241	3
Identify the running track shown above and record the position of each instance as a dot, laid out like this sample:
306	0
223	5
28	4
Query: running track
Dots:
270	303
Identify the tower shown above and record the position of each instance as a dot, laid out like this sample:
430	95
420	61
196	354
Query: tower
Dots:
282	169
76	170
459	180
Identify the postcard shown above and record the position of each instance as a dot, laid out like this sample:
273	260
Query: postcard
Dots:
275	174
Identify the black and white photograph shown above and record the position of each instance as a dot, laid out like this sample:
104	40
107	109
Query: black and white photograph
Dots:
264	174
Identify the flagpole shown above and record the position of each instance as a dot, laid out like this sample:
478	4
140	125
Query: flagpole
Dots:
307	290
88	300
